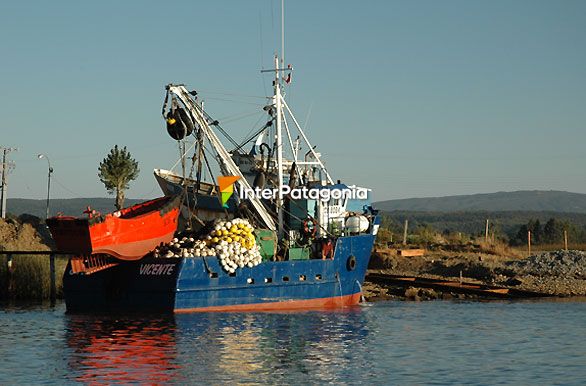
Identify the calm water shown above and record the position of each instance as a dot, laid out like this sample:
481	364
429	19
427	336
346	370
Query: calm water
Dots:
383	343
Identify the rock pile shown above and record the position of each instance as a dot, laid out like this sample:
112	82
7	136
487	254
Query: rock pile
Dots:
556	263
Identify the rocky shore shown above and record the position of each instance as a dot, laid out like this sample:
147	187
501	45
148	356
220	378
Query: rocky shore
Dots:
558	273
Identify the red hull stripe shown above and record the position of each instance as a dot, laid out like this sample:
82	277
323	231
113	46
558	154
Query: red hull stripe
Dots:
133	250
289	305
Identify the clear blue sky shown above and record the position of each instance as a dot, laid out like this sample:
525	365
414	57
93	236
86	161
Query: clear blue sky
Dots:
411	98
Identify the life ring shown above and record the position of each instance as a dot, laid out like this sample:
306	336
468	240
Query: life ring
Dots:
310	227
351	263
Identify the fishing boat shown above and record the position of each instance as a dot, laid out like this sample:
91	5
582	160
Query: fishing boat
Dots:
200	198
127	234
268	230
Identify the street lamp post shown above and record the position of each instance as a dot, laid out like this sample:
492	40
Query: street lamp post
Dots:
48	180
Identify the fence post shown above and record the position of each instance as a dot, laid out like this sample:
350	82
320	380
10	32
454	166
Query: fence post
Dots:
53	293
9	278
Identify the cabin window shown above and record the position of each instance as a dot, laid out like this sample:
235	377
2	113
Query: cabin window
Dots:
285	278
250	280
318	277
302	277
268	279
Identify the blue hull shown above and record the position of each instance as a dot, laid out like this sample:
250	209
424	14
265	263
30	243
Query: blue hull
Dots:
200	284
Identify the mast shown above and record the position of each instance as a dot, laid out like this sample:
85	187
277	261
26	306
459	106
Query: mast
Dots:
279	149
282	34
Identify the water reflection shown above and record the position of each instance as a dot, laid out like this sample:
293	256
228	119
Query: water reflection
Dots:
107	349
266	347
385	343
223	347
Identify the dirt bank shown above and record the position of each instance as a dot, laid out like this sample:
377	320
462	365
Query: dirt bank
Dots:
22	235
559	273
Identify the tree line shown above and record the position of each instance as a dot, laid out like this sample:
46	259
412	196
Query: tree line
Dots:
553	232
508	227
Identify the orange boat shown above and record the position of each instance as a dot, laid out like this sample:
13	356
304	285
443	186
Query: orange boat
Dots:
127	234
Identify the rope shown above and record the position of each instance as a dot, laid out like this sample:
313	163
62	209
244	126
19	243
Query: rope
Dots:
340	284
253	136
165	103
233	94
233	101
362	298
236	117
220	129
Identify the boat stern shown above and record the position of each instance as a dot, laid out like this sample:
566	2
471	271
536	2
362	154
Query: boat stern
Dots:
148	285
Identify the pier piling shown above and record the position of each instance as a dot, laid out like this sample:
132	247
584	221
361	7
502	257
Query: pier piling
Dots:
53	291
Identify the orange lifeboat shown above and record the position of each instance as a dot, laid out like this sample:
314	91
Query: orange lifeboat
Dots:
127	234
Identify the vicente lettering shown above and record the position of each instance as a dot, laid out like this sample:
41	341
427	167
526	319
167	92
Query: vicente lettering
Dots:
157	269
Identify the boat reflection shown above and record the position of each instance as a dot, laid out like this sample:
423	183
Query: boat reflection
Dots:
263	347
121	350
216	347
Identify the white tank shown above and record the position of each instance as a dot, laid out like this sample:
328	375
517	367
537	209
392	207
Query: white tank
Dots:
357	224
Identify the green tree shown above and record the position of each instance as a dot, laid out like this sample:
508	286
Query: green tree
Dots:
553	231
521	237
537	233
116	171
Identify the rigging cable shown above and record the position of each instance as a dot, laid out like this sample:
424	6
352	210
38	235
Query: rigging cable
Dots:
253	136
234	101
213	122
236	117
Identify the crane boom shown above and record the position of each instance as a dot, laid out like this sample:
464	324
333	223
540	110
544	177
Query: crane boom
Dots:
226	163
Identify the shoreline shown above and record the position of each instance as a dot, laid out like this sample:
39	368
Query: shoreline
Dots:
559	274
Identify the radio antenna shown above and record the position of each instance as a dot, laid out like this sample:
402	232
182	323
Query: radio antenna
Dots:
282	33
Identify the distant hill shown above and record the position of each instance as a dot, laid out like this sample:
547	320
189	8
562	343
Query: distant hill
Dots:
525	200
68	207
